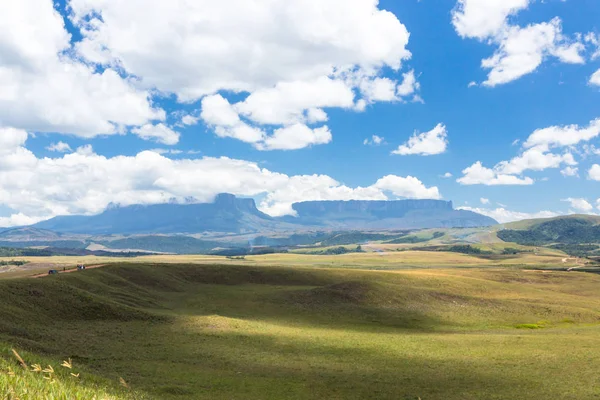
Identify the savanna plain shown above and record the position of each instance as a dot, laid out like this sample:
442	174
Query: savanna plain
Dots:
365	325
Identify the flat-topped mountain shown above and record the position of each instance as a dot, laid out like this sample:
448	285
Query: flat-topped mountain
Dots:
229	214
391	214
226	214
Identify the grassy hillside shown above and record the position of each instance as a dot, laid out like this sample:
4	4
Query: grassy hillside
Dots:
576	235
248	332
530	223
26	376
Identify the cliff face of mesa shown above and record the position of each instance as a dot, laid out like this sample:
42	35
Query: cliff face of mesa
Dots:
380	209
230	214
394	214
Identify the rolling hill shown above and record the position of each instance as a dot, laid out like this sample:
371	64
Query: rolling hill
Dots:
248	332
575	234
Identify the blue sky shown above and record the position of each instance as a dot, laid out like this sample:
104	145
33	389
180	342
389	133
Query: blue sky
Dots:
280	101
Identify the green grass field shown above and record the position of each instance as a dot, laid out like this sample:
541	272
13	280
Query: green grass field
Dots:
182	331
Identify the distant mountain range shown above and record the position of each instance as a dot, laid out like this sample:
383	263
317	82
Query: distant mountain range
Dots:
229	214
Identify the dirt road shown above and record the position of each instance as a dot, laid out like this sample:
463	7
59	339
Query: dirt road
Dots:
68	271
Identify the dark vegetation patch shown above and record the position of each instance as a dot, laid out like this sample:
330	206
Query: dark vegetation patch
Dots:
13	262
563	230
164	244
344	238
415	239
55	251
334	251
578	250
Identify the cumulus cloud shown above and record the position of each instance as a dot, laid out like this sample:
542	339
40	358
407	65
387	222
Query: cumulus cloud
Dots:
535	159
295	137
595	78
560	136
579	205
594	172
159	133
320	59
76	183
570	171
408	86
428	143
477	174
484	18
409	187
11	139
483	200
447	175
503	215
44	88
59	147
521	50
537	155
374	141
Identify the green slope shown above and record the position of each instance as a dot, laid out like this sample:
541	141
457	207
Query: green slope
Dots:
237	332
578	235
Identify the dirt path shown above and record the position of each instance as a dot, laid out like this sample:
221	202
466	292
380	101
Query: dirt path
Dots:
69	270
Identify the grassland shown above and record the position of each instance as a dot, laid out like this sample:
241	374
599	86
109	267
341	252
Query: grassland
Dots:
183	331
378	256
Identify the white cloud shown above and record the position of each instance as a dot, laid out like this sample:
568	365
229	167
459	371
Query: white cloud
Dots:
447	175
167	151
295	137
483	200
11	139
477	174
159	133
216	110
43	88
594	40
484	18
287	102
570	171
579	205
189	120
60	147
559	136
595	78
428	143
503	215
535	159
536	156
409	186
76	183
287	61
228	45
594	172
374	141
379	89
409	85
521	50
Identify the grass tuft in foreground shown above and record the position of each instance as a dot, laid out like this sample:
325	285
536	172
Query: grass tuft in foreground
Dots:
20	380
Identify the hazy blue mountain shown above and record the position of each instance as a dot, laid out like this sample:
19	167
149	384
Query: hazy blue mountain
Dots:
395	214
226	214
229	214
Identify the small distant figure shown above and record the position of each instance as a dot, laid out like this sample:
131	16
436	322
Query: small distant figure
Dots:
53	272
80	267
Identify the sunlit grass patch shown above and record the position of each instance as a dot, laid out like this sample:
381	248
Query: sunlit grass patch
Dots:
22	379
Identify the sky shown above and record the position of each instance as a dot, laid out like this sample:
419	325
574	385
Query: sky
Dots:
492	104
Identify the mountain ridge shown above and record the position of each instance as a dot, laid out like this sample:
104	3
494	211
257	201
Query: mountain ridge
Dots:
230	214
